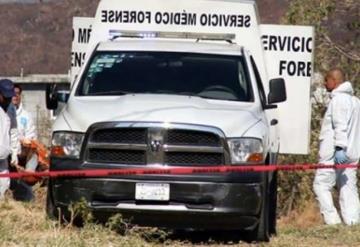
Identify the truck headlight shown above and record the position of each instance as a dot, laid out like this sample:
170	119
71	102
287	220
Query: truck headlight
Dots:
246	150
66	144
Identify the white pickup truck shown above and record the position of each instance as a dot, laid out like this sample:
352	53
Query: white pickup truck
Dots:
178	84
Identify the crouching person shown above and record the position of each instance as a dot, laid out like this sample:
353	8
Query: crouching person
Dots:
27	158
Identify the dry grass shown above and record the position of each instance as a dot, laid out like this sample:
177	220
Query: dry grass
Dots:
25	224
309	217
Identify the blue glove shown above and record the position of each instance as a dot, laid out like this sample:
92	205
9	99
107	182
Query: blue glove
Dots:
340	157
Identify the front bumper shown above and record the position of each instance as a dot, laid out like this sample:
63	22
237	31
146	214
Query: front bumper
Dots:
201	205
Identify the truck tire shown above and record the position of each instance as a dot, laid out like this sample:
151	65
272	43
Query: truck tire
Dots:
261	232
60	214
273	204
50	207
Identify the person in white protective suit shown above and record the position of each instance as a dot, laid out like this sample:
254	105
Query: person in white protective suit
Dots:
27	131
26	126
6	93
14	136
339	144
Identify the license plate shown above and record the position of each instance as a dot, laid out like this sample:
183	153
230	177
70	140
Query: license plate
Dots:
152	192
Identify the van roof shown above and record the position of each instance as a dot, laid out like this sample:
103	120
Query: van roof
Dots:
191	46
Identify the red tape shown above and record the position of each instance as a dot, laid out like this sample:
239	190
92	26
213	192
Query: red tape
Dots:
174	170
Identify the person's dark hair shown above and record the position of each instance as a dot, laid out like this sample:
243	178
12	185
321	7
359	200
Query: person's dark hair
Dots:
18	87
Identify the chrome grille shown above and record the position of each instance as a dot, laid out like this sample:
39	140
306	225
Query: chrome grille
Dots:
155	143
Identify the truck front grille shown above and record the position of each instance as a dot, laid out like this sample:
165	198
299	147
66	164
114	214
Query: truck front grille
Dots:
131	157
152	143
117	135
188	137
194	159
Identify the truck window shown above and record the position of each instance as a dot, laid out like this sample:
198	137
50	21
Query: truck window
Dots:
217	77
259	83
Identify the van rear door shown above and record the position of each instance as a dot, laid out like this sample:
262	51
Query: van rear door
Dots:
289	54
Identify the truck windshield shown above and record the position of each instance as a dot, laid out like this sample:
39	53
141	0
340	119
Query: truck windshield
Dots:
202	75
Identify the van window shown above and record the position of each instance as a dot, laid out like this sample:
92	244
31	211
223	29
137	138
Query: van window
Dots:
202	75
259	82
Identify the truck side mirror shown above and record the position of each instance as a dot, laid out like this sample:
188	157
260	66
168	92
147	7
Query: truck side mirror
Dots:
51	97
63	96
277	90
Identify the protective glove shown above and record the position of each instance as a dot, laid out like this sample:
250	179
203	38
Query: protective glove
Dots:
15	163
340	157
14	159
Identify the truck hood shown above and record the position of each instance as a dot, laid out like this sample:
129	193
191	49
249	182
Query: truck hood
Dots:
233	118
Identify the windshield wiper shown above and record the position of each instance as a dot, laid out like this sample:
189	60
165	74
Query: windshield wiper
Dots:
115	92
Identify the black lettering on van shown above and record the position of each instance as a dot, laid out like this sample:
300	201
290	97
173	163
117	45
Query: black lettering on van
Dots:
132	17
222	20
287	43
192	19
301	69
247	21
264	39
295	68
77	59
84	35
203	19
125	17
233	21
112	16
291	68
226	19
296	47
272	43
282	43
282	67
104	16
240	22
215	20
309	45
308	70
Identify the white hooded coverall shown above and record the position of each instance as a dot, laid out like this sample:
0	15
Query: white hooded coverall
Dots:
340	128
25	124
14	134
27	131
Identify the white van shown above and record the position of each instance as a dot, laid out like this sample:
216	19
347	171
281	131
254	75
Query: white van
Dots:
182	84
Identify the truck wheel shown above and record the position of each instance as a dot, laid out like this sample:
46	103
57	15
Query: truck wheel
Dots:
273	204
50	207
261	232
53	213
